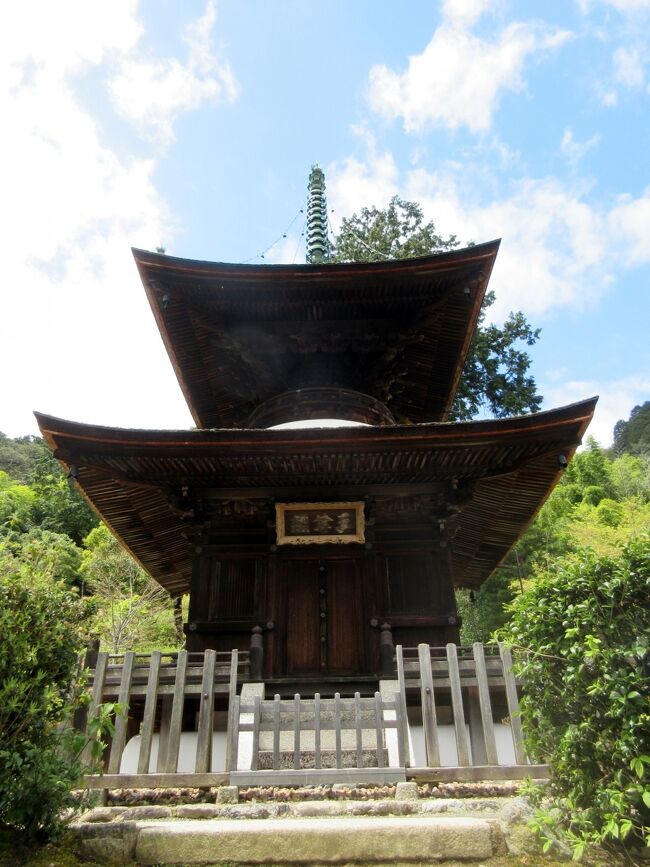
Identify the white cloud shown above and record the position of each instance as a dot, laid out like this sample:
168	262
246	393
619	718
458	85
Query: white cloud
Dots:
616	399
458	78
575	150
558	249
357	184
465	12
629	67
629	225
72	208
289	250
623	6
151	93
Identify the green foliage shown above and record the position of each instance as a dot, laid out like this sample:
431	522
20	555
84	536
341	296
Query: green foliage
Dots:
633	436
583	629
43	631
485	610
17	506
132	610
496	374
18	456
60	507
398	232
496	377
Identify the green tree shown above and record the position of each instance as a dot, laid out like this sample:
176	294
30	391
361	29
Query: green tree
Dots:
132	610
18	456
45	556
583	633
46	625
59	507
633	436
17	507
496	377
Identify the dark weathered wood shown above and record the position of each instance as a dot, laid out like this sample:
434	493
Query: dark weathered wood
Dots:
485	705
119	735
148	720
206	715
513	704
95	701
256	654
427	697
462	745
176	720
478	772
386	651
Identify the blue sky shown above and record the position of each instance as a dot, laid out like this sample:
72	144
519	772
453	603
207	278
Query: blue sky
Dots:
194	125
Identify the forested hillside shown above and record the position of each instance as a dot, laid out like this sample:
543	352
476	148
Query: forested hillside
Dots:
602	501
48	533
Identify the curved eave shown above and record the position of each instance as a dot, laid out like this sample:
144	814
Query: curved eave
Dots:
202	297
127	475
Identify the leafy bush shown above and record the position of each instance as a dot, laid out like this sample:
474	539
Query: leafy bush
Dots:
42	629
585	630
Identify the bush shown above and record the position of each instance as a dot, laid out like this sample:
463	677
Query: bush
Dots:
585	631
42	634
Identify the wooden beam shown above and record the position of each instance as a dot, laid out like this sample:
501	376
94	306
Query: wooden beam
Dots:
154	781
478	773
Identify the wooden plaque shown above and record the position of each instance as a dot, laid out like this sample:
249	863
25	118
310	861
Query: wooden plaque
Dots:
319	523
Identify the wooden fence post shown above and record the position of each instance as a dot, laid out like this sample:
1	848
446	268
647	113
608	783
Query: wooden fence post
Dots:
232	693
256	654
429	719
386	651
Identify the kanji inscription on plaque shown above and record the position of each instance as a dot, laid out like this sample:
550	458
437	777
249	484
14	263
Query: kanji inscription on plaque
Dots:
319	523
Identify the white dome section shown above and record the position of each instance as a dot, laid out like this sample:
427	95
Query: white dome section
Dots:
318	422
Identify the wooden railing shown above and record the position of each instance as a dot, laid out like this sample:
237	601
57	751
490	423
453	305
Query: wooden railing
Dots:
171	698
325	758
467	680
160	686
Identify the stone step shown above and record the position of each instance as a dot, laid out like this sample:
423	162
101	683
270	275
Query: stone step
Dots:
335	840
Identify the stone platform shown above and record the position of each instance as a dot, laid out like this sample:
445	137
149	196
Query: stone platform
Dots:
391	830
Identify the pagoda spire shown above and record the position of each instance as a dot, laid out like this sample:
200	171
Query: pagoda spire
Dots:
318	248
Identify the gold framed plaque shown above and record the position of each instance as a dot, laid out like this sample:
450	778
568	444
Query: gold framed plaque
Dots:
319	523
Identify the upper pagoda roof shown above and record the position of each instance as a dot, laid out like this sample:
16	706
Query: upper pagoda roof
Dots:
143	482
240	335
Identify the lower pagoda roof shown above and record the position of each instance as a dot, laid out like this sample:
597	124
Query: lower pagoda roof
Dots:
142	483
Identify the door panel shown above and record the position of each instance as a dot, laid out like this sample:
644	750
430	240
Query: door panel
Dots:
303	617
343	617
324	617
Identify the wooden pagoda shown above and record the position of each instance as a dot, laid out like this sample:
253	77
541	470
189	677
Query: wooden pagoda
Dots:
317	537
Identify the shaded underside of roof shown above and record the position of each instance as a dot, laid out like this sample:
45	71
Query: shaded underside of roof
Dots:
133	478
239	335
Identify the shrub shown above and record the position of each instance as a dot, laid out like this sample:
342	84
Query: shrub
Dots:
42	634
585	631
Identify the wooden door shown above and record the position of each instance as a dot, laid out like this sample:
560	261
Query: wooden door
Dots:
324	617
